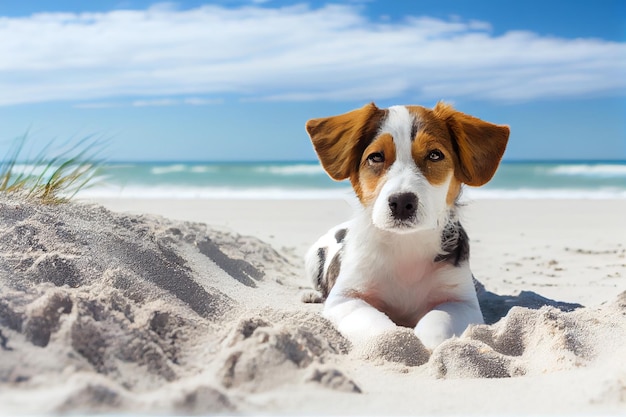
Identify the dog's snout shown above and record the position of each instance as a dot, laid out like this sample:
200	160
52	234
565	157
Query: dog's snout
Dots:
403	205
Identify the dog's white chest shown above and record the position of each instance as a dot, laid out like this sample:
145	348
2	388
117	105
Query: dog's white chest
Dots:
404	282
411	272
403	288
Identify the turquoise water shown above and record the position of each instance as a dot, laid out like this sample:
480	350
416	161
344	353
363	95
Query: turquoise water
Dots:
308	180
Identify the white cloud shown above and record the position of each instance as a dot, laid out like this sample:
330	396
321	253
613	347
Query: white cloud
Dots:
152	102
159	102
98	105
290	53
197	101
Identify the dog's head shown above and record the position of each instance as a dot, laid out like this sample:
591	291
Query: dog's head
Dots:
407	163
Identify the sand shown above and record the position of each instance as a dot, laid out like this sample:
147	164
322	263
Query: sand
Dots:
194	307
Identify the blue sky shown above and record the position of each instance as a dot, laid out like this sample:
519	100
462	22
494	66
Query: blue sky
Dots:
237	80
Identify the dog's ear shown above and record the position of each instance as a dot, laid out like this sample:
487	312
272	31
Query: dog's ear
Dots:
341	140
479	144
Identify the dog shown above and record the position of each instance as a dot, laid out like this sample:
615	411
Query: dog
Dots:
404	259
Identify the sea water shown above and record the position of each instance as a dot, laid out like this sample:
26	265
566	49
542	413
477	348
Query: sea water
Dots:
301	180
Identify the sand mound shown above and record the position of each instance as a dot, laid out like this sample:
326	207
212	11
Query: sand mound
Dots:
105	312
533	342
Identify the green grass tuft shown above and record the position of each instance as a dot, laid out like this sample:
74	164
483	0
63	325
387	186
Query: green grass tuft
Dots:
51	179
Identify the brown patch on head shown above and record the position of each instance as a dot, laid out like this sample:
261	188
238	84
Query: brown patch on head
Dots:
340	140
470	148
433	151
375	161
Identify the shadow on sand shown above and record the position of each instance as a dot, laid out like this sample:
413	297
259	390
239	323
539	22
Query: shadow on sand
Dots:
495	307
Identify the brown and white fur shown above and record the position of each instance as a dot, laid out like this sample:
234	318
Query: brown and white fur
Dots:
403	260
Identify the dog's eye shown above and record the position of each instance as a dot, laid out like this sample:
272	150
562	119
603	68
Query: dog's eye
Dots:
435	155
376	158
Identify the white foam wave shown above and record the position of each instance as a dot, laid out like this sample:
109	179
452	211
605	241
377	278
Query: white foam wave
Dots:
283	170
168	169
203	169
601	170
300	169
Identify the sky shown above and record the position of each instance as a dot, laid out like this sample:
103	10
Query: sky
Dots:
237	80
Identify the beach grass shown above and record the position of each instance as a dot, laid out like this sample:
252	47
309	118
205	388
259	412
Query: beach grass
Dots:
56	174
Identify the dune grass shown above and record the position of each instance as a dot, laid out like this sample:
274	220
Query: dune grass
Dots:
52	176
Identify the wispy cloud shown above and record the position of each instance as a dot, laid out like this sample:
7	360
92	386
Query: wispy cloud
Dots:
290	53
159	102
98	105
196	101
162	102
152	102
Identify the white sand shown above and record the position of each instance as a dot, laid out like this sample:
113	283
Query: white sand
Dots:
135	313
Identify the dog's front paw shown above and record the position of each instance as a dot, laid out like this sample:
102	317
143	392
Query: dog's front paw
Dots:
399	345
432	336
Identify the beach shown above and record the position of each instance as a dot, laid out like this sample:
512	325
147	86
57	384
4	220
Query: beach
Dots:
166	167
193	306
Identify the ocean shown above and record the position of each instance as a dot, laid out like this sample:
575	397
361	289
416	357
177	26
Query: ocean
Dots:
307	180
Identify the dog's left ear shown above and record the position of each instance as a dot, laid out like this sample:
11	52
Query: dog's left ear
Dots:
480	144
340	140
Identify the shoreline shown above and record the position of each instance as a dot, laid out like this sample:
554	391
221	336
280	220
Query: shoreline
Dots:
203	193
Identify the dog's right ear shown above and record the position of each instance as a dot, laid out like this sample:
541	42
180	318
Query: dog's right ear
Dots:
341	140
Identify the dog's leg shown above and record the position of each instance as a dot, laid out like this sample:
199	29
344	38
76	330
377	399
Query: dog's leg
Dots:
447	320
322	262
356	319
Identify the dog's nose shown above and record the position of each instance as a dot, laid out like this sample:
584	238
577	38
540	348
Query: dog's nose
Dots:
403	205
